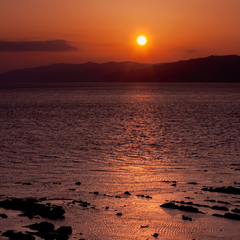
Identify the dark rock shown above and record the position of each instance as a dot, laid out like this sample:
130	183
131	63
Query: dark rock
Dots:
26	214
17	236
27	183
186	218
155	235
223	202
220	208
229	216
42	199
181	207
2	215
127	193
144	226
210	200
174	184
56	212
228	190
148	197
32	206
72	189
64	230
107	208
193	183
236	210
57	183
119	214
96	193
61	237
78	183
42	227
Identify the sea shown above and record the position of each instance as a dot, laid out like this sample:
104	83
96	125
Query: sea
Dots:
133	147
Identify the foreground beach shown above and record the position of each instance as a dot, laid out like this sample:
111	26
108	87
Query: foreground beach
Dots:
133	161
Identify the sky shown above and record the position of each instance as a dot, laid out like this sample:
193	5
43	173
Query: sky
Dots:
43	32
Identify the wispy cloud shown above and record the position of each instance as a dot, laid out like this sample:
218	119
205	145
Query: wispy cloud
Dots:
41	46
190	50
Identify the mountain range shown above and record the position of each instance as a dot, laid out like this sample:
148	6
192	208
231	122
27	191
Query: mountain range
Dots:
209	69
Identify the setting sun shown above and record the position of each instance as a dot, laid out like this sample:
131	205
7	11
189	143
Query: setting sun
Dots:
141	40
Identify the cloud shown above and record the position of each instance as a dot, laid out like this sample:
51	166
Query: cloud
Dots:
40	46
190	50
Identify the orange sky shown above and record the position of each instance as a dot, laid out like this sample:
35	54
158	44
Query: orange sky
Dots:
106	30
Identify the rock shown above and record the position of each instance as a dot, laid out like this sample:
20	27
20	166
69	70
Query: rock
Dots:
155	235
236	210
220	208
210	200
96	193
228	190
57	183
64	230
193	183
56	212
181	207
148	197
223	202
107	208
72	189
78	183
17	236
42	227
26	214
119	214
229	216
127	193
186	218
2	215
31	207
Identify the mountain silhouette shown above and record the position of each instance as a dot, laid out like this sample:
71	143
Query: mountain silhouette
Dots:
209	69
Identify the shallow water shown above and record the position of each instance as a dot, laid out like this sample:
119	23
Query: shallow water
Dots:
113	138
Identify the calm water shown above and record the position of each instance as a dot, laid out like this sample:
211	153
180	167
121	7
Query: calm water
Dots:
123	137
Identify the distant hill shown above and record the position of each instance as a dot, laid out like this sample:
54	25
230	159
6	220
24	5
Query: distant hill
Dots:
209	69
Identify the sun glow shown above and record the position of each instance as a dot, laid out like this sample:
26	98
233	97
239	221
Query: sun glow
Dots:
141	40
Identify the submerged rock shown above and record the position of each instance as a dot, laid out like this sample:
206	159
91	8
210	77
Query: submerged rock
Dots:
17	236
181	207
186	218
31	207
155	235
228	190
193	183
220	208
145	226
42	227
2	215
229	216
236	210
64	230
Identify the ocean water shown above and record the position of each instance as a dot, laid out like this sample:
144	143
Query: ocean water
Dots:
166	141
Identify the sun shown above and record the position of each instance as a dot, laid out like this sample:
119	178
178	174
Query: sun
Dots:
141	40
